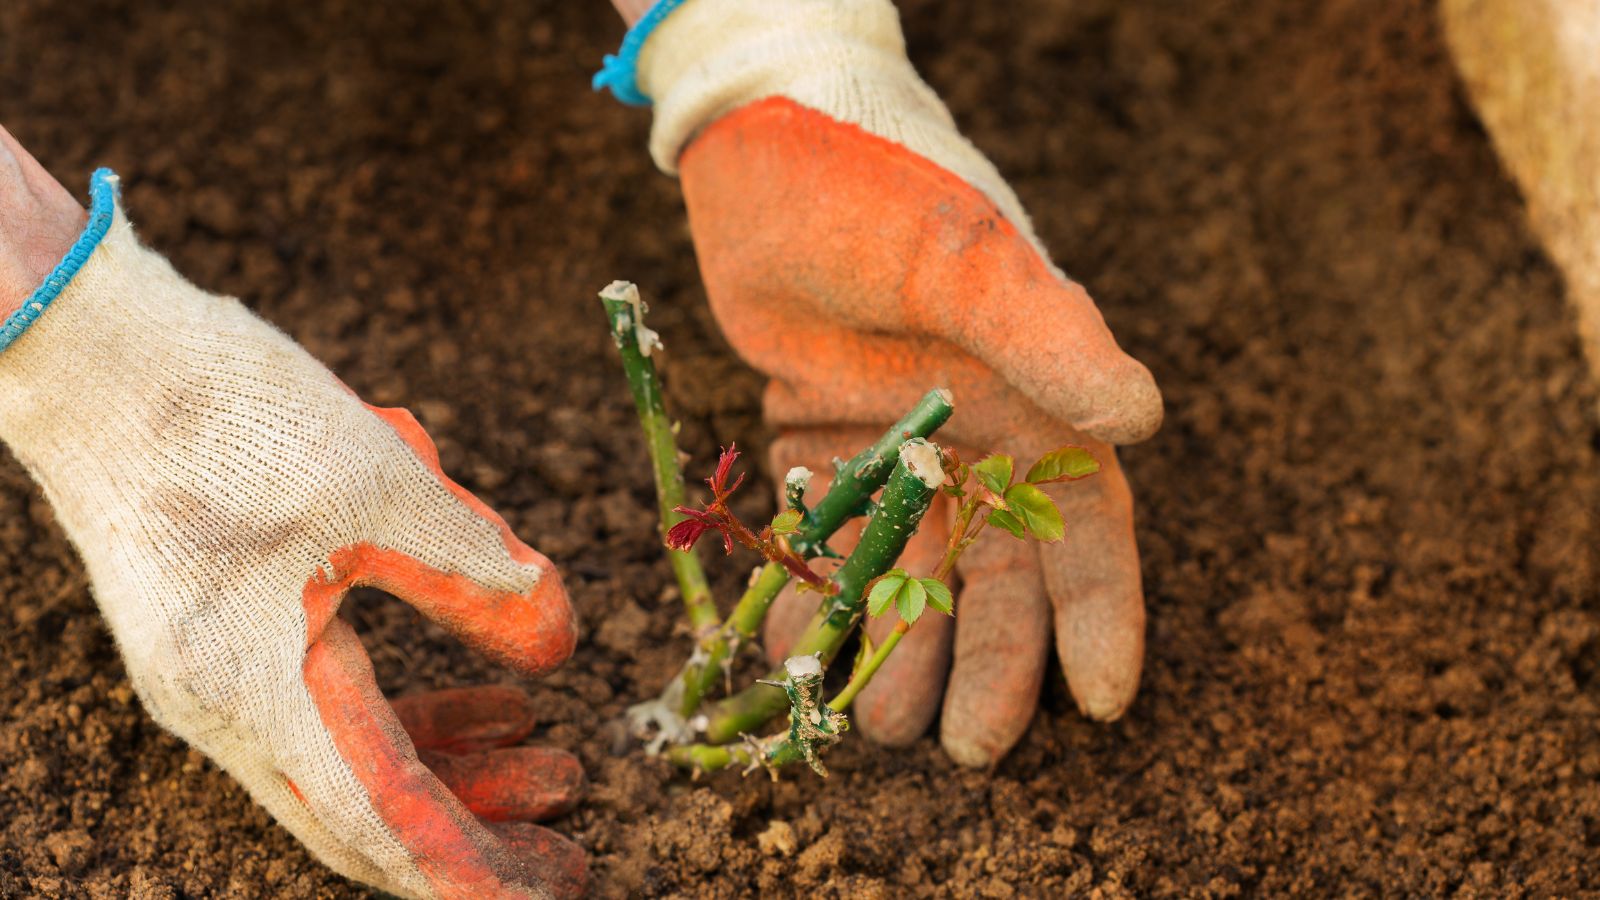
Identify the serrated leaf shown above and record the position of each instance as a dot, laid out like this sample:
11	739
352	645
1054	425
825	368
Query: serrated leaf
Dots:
938	595
883	591
1063	464
911	600
1002	519
994	472
787	522
1037	512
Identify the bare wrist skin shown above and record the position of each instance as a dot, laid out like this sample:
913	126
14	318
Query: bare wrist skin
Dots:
632	10
39	221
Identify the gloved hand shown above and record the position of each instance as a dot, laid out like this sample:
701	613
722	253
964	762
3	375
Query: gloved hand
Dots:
1532	71
859	251
225	491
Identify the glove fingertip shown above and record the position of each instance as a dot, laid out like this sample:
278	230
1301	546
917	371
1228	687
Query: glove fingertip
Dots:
986	713
1103	664
1107	697
973	750
466	720
1125	407
557	861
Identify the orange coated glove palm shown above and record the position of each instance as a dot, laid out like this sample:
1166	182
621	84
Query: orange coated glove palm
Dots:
859	251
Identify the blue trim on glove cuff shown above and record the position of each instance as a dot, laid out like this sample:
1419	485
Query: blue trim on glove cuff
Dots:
620	72
102	207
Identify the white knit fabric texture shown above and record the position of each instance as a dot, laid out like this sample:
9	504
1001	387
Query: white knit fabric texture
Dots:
205	466
844	58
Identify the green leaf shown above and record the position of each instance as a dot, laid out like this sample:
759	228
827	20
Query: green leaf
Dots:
883	590
994	472
1063	464
911	600
1037	512
787	522
938	595
1002	519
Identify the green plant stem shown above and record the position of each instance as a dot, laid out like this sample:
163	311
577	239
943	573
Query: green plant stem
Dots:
905	499
626	316
863	676
699	678
962	533
851	490
752	607
781	750
857	480
710	758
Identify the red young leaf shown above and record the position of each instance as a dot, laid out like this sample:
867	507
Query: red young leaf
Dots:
718	482
683	535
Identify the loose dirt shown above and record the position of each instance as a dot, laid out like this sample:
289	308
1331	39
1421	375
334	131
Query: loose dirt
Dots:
1367	526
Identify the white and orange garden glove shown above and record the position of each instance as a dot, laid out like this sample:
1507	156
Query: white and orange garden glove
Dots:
859	251
225	491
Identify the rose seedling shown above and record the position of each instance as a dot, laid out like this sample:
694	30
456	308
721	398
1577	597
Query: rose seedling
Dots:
891	483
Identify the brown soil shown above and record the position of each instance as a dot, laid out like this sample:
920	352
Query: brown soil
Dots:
1367	525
